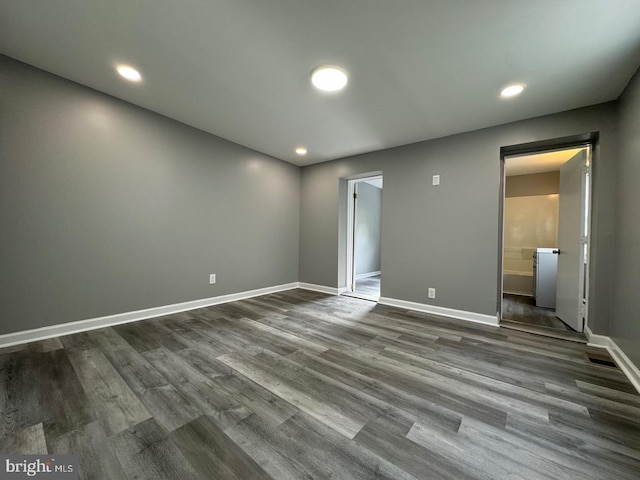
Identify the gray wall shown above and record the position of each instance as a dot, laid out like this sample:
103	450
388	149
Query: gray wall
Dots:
625	319
367	242
107	208
447	236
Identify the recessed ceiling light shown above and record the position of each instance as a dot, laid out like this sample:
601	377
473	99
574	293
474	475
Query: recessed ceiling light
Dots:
301	151
329	78
512	90
129	73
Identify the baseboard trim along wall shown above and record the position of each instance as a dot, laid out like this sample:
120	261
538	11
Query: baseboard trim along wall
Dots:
595	340
26	336
16	338
321	288
442	311
631	371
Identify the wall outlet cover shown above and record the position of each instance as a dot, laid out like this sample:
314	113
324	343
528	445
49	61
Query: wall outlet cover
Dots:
432	293
212	279
435	180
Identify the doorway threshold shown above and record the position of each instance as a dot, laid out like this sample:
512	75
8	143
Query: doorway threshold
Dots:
361	296
568	335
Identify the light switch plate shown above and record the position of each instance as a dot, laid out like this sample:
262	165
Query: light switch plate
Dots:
436	180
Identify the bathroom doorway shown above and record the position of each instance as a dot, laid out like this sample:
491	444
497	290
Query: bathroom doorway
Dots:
545	247
364	213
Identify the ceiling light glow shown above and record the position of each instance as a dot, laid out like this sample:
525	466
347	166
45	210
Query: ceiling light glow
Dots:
329	78
301	151
512	90
129	73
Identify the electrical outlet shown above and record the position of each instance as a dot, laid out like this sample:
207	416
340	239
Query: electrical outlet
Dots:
432	293
212	279
435	180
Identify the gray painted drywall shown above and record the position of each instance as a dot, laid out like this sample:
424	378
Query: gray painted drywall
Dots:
625	318
367	241
446	236
107	208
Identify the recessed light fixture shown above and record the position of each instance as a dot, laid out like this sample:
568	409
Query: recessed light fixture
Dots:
301	151
512	90
129	73
329	78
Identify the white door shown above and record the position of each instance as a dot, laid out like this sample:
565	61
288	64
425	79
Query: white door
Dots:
352	280
571	226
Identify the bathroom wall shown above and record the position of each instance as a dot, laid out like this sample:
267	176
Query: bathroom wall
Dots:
530	222
534	184
530	218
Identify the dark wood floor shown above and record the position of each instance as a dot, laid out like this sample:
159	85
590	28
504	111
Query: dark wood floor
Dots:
304	385
522	309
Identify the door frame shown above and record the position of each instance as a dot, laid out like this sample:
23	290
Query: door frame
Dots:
351	225
588	140
578	319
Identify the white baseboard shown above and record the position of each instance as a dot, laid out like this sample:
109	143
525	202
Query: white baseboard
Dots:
26	336
631	371
366	275
442	311
420	307
320	288
626	365
594	340
16	338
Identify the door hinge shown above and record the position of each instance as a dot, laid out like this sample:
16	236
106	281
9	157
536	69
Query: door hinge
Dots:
583	240
355	195
586	169
583	310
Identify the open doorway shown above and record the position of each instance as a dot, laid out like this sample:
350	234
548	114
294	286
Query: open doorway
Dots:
546	211
363	237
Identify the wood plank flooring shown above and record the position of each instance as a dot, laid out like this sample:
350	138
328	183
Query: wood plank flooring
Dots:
302	385
522	309
569	335
369	286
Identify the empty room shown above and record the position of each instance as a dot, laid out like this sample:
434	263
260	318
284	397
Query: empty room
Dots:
362	239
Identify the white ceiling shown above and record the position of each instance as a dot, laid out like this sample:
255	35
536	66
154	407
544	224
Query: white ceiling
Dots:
419	69
539	162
